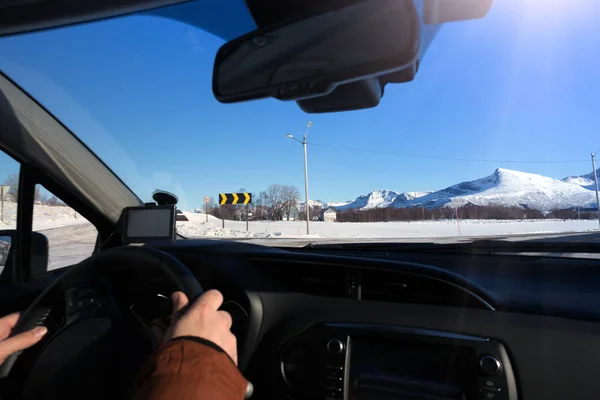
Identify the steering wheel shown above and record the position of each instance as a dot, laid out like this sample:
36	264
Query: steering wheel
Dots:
85	314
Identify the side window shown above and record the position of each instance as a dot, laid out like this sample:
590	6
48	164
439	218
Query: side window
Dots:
9	186
71	238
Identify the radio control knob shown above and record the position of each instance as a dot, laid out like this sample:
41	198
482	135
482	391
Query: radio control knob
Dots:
490	365
335	346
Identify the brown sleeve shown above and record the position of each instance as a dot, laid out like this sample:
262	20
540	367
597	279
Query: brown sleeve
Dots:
187	370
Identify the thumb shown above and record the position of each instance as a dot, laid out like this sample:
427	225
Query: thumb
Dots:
21	341
180	301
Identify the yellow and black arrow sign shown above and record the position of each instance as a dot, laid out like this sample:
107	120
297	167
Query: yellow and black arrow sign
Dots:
235	198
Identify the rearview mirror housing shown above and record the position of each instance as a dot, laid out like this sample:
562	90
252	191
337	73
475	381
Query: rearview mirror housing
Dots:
307	59
311	56
442	11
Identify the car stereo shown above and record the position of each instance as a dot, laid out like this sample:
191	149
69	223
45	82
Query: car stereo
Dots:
375	362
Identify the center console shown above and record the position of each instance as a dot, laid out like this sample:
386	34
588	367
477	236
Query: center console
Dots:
355	362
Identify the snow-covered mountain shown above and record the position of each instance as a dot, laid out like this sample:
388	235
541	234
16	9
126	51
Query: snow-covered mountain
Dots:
322	204
510	188
408	198
375	199
504	187
380	199
586	181
337	203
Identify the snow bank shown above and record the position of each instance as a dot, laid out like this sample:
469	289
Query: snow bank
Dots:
44	216
198	227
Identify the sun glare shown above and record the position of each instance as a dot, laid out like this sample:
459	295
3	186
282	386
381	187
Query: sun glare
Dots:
547	12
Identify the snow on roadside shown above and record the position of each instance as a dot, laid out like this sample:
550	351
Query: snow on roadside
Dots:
44	216
198	227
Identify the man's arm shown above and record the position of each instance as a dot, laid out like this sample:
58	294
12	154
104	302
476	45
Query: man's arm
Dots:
198	359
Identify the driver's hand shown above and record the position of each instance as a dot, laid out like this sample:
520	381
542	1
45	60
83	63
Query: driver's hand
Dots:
22	341
203	319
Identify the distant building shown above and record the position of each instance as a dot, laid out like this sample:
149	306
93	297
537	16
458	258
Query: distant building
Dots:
293	210
329	215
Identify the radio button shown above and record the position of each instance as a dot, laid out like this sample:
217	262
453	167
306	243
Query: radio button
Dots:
335	346
489	395
490	365
493	384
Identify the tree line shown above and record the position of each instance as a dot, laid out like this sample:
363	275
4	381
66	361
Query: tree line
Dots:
465	212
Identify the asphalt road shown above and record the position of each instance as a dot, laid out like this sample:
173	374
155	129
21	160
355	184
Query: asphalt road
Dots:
71	244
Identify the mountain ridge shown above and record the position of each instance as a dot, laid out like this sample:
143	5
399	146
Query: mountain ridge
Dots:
504	187
586	180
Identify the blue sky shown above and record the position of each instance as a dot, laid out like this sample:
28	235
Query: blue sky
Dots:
520	85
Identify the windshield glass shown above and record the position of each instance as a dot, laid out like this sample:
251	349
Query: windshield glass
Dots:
492	138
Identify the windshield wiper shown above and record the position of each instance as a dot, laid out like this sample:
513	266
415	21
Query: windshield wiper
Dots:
485	246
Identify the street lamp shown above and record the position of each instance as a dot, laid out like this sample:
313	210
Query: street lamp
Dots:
306	206
596	183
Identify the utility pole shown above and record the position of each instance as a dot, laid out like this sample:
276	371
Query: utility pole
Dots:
306	205
596	185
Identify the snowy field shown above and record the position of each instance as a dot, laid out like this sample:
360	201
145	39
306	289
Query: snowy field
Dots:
198	227
71	238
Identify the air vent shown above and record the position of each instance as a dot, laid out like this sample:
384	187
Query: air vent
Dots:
398	287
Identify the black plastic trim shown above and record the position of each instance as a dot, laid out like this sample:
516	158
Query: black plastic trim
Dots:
30	16
25	200
408	330
409	268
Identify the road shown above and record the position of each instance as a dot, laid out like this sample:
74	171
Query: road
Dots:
70	244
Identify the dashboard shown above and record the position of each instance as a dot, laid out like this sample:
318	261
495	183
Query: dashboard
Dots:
334	325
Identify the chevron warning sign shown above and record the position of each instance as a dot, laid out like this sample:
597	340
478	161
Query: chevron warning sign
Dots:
235	198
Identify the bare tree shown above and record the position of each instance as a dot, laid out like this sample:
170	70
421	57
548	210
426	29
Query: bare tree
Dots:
54	201
261	211
277	199
13	181
38	195
291	197
272	198
315	212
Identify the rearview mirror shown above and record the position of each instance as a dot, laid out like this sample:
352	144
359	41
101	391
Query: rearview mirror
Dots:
311	56
39	250
442	11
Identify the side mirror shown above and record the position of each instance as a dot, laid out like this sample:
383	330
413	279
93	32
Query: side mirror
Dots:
39	250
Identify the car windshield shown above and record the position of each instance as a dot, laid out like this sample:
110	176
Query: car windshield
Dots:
492	138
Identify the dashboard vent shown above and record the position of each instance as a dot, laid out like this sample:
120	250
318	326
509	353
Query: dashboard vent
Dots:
398	287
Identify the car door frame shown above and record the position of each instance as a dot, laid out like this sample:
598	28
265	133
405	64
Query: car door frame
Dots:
18	285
